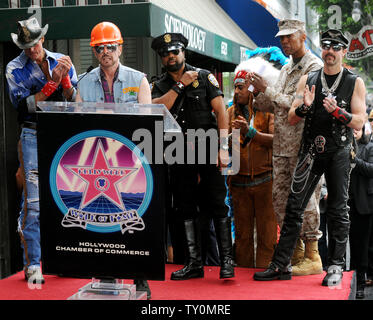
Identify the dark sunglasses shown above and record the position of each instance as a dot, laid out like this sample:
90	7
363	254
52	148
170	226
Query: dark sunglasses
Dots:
336	46
164	54
109	47
370	120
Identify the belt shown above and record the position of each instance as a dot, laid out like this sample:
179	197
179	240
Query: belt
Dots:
256	180
30	125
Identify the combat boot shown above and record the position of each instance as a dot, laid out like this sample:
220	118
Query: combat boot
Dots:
311	264
298	254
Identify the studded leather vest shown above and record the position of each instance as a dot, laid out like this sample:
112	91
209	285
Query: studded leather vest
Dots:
320	123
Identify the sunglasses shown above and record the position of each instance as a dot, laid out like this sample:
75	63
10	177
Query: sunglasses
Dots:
370	120
336	46
164	54
109	47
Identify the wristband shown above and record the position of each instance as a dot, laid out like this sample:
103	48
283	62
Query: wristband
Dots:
342	115
178	87
302	110
249	135
66	83
49	88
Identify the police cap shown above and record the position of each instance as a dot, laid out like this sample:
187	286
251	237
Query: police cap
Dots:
334	35
169	41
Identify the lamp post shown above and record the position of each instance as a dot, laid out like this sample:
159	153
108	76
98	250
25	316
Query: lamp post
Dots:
356	11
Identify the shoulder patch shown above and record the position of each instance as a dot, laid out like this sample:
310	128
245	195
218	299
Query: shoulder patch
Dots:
213	80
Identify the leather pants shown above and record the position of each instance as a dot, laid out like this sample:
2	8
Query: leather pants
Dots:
336	168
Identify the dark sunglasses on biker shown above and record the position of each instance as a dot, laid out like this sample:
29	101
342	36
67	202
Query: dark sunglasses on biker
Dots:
165	53
109	47
335	46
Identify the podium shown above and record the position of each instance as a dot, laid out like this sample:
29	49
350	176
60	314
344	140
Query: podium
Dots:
101	189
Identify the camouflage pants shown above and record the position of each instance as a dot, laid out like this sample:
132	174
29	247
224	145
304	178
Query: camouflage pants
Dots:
283	168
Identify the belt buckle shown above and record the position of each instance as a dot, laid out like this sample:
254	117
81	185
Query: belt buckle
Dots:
320	144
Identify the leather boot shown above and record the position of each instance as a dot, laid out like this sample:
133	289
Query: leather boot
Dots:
360	285
333	276
194	267
273	273
311	264
298	254
224	240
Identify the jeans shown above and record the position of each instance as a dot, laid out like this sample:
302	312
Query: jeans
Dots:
28	222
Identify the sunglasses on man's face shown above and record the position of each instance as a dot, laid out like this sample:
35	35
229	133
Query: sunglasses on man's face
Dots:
164	54
335	46
370	120
109	47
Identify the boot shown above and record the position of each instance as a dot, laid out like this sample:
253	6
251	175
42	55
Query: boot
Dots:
273	273
333	276
311	264
194	267
298	254
360	285
224	239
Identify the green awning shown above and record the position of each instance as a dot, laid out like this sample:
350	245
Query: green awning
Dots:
134	20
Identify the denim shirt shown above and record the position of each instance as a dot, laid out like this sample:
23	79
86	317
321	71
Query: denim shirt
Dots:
25	78
126	87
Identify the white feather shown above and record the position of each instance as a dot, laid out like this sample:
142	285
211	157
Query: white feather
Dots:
257	65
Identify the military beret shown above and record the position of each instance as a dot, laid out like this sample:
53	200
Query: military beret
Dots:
168	42
334	35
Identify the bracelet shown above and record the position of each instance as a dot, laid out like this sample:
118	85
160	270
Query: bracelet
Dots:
302	110
66	83
49	88
342	115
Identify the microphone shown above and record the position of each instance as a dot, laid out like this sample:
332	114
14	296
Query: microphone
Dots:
89	69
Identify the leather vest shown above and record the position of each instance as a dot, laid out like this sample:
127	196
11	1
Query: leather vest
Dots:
340	133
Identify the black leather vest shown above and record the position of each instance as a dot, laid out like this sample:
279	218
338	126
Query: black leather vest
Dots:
340	134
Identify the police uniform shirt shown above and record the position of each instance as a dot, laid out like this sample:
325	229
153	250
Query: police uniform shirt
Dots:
195	110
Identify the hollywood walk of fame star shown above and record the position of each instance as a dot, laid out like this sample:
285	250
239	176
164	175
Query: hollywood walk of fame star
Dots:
101	179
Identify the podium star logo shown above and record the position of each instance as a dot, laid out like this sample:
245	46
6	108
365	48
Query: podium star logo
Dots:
101	179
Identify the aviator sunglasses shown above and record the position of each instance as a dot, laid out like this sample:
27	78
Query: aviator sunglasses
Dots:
335	46
109	47
164	54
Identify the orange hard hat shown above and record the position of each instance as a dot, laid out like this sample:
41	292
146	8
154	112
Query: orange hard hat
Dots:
105	32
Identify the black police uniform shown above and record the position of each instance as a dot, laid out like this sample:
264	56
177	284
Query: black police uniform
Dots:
196	185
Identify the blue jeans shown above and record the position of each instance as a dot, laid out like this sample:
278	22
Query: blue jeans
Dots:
28	222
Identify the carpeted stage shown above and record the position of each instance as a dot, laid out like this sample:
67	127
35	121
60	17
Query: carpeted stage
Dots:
242	287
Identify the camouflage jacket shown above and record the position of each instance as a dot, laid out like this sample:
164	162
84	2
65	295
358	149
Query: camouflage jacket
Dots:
278	100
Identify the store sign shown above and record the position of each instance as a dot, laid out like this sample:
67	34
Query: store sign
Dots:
222	48
195	35
361	44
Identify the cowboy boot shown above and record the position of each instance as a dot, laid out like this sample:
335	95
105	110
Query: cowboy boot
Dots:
224	240
311	264
194	266
298	254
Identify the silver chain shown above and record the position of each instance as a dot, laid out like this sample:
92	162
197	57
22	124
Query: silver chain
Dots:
325	89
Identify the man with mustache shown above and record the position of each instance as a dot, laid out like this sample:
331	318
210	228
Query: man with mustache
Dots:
113	82
332	102
196	101
286	140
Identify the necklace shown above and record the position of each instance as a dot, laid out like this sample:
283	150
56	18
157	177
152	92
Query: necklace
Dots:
330	91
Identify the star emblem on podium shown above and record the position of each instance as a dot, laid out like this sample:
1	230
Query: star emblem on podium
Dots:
101	179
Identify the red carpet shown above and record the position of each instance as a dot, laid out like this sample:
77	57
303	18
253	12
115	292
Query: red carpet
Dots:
243	287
